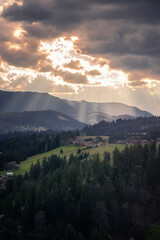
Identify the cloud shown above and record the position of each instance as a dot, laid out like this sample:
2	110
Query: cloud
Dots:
4	84
21	51
41	31
67	13
31	12
38	84
64	15
93	73
42	84
19	58
73	65
133	48
44	65
121	39
138	11
6	30
63	89
19	83
73	78
124	32
132	63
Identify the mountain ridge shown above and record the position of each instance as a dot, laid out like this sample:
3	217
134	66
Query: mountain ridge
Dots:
32	101
37	121
98	117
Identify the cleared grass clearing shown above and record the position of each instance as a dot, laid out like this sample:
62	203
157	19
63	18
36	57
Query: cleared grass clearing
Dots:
107	148
25	165
67	151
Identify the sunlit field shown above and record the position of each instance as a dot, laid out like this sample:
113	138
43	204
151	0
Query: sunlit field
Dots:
25	165
67	151
107	148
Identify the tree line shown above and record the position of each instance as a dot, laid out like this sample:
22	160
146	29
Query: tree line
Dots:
122	128
20	146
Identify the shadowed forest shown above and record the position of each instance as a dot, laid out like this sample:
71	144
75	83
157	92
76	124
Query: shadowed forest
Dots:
117	198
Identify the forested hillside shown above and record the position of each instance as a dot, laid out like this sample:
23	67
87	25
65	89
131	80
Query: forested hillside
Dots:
18	148
37	121
138	125
79	199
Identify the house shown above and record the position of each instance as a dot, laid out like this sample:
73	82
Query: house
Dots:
9	174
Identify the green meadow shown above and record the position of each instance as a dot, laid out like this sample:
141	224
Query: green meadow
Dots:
25	165
107	148
67	150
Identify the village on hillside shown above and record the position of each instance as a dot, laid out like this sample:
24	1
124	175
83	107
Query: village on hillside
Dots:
95	141
91	141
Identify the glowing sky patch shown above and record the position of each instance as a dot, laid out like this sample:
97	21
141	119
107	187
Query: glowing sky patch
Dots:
67	66
11	73
18	32
62	51
6	3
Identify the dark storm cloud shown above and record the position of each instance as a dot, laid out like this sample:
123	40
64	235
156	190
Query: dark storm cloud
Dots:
5	31
131	63
19	58
137	42
116	29
137	83
137	11
128	47
44	65
73	78
41	31
73	65
64	13
27	12
93	73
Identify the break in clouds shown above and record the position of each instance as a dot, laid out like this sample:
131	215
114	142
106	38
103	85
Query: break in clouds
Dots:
117	44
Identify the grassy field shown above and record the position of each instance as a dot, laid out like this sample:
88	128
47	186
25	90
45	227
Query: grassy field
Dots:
25	165
67	150
107	148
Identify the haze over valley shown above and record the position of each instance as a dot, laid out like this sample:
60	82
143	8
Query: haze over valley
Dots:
16	115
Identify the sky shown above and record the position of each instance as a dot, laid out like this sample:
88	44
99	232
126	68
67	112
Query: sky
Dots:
98	51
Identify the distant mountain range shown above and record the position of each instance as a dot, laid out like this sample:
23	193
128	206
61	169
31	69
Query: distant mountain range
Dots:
97	117
37	121
83	111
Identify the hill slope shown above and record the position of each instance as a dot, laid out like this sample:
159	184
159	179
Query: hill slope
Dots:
136	125
37	120
30	101
94	118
